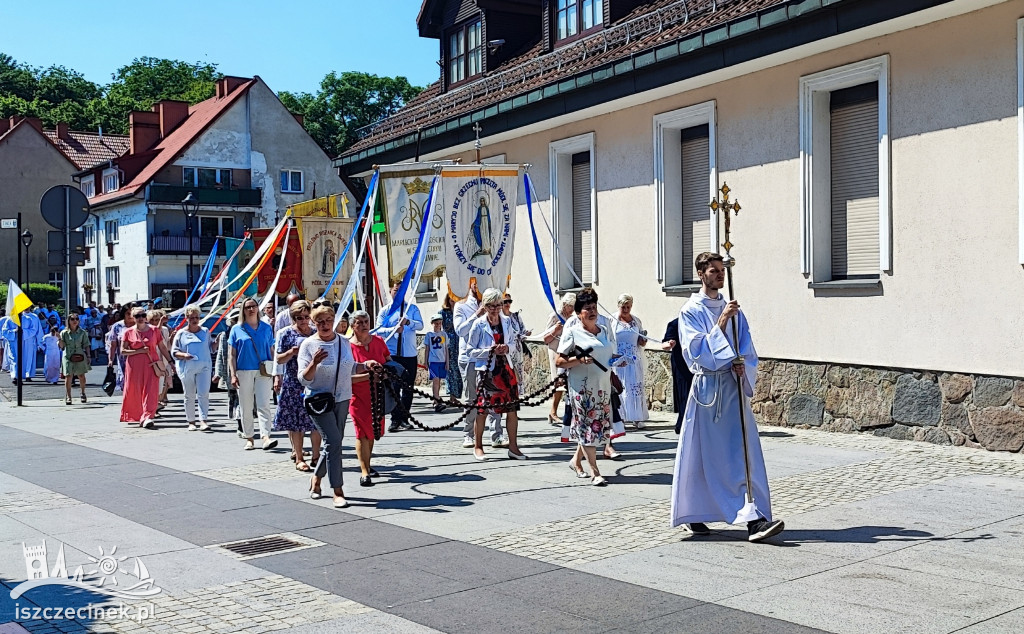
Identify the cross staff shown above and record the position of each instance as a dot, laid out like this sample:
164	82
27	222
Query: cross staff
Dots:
726	206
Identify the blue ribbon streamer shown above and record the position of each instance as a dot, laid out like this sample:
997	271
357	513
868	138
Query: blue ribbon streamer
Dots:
545	282
204	274
371	192
395	308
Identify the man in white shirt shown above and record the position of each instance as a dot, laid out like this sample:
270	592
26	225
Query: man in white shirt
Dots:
284	318
467	311
401	340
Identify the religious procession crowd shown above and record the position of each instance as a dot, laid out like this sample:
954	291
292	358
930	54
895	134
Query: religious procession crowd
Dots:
322	369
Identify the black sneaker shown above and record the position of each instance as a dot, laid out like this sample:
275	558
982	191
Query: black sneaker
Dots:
698	528
761	529
393	428
405	424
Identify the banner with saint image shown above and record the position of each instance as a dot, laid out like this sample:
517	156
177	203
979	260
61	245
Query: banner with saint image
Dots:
405	189
322	242
479	206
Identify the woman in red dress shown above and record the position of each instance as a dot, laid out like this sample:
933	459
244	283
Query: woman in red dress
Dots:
140	346
365	347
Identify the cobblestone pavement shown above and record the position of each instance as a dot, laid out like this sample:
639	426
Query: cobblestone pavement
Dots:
266	604
906	465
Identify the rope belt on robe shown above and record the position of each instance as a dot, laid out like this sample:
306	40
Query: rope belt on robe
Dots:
700	378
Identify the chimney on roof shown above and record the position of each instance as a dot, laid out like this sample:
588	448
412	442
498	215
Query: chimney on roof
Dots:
143	131
62	131
226	85
5	125
172	113
298	117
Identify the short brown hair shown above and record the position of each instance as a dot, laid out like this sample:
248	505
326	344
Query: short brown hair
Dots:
322	309
706	258
297	307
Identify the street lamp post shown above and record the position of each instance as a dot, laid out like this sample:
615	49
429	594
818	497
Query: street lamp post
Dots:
191	207
26	239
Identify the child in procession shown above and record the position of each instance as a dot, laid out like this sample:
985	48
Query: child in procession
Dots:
436	342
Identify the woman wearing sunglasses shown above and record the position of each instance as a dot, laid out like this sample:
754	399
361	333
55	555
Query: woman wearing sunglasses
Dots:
250	355
143	367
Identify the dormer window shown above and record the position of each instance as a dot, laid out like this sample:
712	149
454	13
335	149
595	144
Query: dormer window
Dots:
110	181
465	53
576	17
89	186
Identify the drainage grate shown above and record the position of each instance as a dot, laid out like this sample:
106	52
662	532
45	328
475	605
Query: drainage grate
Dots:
267	545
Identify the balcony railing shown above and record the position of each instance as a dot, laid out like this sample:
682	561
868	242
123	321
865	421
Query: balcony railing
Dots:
178	245
206	196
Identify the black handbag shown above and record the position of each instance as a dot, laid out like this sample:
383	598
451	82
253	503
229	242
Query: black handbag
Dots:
110	381
323	402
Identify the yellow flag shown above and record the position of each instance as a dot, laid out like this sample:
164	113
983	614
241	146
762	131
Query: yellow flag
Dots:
17	301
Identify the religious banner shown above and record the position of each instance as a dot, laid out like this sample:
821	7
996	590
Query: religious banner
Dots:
479	224
323	241
333	206
291	272
405	189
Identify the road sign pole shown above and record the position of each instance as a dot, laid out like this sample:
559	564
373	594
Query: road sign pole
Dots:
67	253
19	362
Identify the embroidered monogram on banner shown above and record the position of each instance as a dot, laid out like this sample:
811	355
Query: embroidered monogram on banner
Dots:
406	188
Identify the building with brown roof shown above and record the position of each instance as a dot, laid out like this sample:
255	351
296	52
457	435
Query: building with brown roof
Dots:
31	161
876	147
241	154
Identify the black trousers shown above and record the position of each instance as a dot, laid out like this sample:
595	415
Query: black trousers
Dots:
409	363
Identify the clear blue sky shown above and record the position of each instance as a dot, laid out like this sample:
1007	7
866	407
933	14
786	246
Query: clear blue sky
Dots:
290	44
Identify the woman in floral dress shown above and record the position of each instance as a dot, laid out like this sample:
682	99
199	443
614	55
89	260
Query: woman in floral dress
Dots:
291	416
589	387
454	379
629	335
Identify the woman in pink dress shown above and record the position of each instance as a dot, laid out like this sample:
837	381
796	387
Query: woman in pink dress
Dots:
143	368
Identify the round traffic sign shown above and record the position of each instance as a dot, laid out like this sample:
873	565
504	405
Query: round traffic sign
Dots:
64	203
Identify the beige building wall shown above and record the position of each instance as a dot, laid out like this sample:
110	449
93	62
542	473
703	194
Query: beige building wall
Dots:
954	298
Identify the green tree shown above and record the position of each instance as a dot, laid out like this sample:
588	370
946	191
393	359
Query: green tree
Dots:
148	80
347	102
16	80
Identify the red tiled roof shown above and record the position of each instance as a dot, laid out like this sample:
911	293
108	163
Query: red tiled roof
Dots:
200	116
535	69
88	149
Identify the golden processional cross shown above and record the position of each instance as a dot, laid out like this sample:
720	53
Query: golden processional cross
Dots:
728	207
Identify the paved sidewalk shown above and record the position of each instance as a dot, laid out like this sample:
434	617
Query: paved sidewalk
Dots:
882	535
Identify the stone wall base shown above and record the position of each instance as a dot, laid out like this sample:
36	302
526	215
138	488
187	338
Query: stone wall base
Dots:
937	407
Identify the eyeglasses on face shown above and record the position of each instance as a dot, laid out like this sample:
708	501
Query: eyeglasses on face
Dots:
302	318
139	316
507	301
492	306
324	322
253	307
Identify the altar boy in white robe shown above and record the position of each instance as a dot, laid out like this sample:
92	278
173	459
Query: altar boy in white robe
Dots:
710	481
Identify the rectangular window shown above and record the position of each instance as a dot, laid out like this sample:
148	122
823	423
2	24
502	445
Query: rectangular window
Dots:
695	150
844	155
685	179
89	277
853	140
88	185
110	181
113	277
582	230
575	17
465	52
214	226
90	235
205	177
56	278
291	181
573	203
110	231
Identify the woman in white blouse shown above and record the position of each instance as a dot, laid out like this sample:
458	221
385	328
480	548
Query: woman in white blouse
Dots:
326	366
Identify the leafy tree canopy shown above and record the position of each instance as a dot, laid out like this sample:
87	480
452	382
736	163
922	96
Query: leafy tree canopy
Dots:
344	103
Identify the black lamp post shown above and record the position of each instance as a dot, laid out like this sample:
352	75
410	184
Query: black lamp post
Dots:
26	240
191	207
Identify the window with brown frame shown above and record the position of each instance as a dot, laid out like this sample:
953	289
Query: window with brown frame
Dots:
465	53
576	17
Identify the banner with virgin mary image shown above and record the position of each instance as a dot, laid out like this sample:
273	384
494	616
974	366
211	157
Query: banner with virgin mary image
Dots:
405	190
322	242
479	224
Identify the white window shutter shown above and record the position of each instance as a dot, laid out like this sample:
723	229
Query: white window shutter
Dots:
854	183
696	213
582	255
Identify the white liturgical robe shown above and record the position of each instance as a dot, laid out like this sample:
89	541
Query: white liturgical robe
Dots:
709	484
